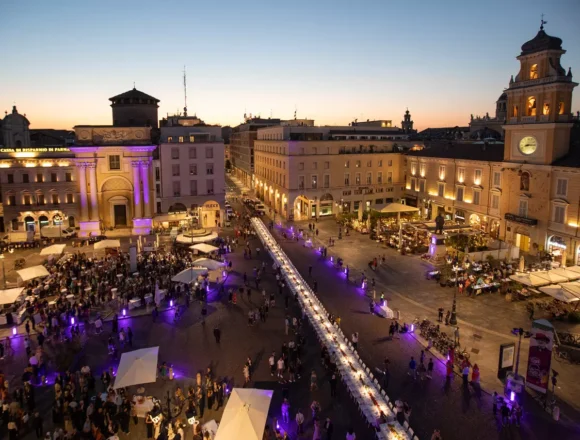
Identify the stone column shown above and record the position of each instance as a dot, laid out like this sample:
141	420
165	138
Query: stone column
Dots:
83	187
137	212
147	211
93	183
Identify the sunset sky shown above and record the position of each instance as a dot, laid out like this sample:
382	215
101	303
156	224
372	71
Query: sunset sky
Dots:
333	60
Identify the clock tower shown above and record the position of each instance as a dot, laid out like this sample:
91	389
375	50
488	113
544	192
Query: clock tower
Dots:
539	116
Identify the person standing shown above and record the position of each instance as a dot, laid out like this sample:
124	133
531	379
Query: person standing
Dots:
286	411
130	336
456	334
440	315
430	368
272	363
465	374
333	382
300	421
38	425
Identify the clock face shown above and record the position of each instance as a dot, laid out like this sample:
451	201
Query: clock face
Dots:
528	145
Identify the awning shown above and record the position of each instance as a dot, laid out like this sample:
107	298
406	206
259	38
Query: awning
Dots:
552	277
9	296
182	238
245	414
55	249
178	216
561	293
33	272
137	367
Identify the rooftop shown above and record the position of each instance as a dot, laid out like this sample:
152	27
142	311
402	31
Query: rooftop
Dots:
491	152
133	94
542	41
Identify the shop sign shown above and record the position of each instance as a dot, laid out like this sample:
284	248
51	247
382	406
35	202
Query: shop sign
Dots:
36	150
522	220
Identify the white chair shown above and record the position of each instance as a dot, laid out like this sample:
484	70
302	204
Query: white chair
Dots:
406	425
415	438
384	394
411	432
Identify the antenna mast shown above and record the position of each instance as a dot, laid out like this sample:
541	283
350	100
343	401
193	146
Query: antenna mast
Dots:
185	90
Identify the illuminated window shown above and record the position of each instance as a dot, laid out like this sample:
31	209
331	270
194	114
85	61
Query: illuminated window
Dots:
531	106
561	108
441	172
515	111
461	175
169	138
180	139
534	71
477	177
192	139
546	109
357	179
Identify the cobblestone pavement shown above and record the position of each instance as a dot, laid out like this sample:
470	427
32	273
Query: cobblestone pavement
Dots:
190	346
435	404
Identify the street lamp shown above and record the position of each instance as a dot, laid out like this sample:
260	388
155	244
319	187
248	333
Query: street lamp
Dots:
453	318
2	257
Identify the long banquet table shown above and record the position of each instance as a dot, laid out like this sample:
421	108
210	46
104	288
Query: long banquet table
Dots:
355	374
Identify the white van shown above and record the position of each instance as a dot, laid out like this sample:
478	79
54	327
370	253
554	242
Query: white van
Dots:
260	208
18	237
57	231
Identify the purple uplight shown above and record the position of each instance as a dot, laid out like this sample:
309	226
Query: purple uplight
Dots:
72	320
170	303
412	327
124	312
145	181
331	259
512	396
447	357
14	330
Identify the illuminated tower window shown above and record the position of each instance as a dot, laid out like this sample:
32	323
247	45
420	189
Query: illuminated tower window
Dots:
531	106
534	71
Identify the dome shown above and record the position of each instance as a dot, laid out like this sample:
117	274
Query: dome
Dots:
542	41
134	96
503	97
15	118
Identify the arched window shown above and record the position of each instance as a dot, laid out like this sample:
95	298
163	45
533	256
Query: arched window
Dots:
534	71
546	109
531	106
561	108
43	221
29	223
515	111
525	181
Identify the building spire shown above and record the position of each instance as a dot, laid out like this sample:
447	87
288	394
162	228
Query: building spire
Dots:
542	23
185	90
134	86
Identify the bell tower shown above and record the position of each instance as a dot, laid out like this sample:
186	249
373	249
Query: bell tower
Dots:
539	117
407	123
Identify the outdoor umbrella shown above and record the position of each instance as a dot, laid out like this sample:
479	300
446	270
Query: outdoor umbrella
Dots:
196	238
107	244
245	414
55	249
560	293
205	248
137	367
189	275
530	279
210	264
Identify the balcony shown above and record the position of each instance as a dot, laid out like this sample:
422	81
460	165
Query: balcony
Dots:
562	228
513	120
528	119
544	118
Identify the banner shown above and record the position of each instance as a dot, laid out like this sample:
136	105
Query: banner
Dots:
540	356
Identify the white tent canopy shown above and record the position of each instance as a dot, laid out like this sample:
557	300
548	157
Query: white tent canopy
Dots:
205	248
533	279
107	244
574	269
564	272
33	272
137	367
245	414
189	275
55	249
8	296
560	293
209	263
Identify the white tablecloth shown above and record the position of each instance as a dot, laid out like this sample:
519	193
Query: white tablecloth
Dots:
134	303
384	311
355	374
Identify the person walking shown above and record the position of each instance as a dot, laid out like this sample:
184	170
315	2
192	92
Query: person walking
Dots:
300	421
440	315
412	368
328	429
272	363
316	435
286	411
430	368
217	333
456	335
